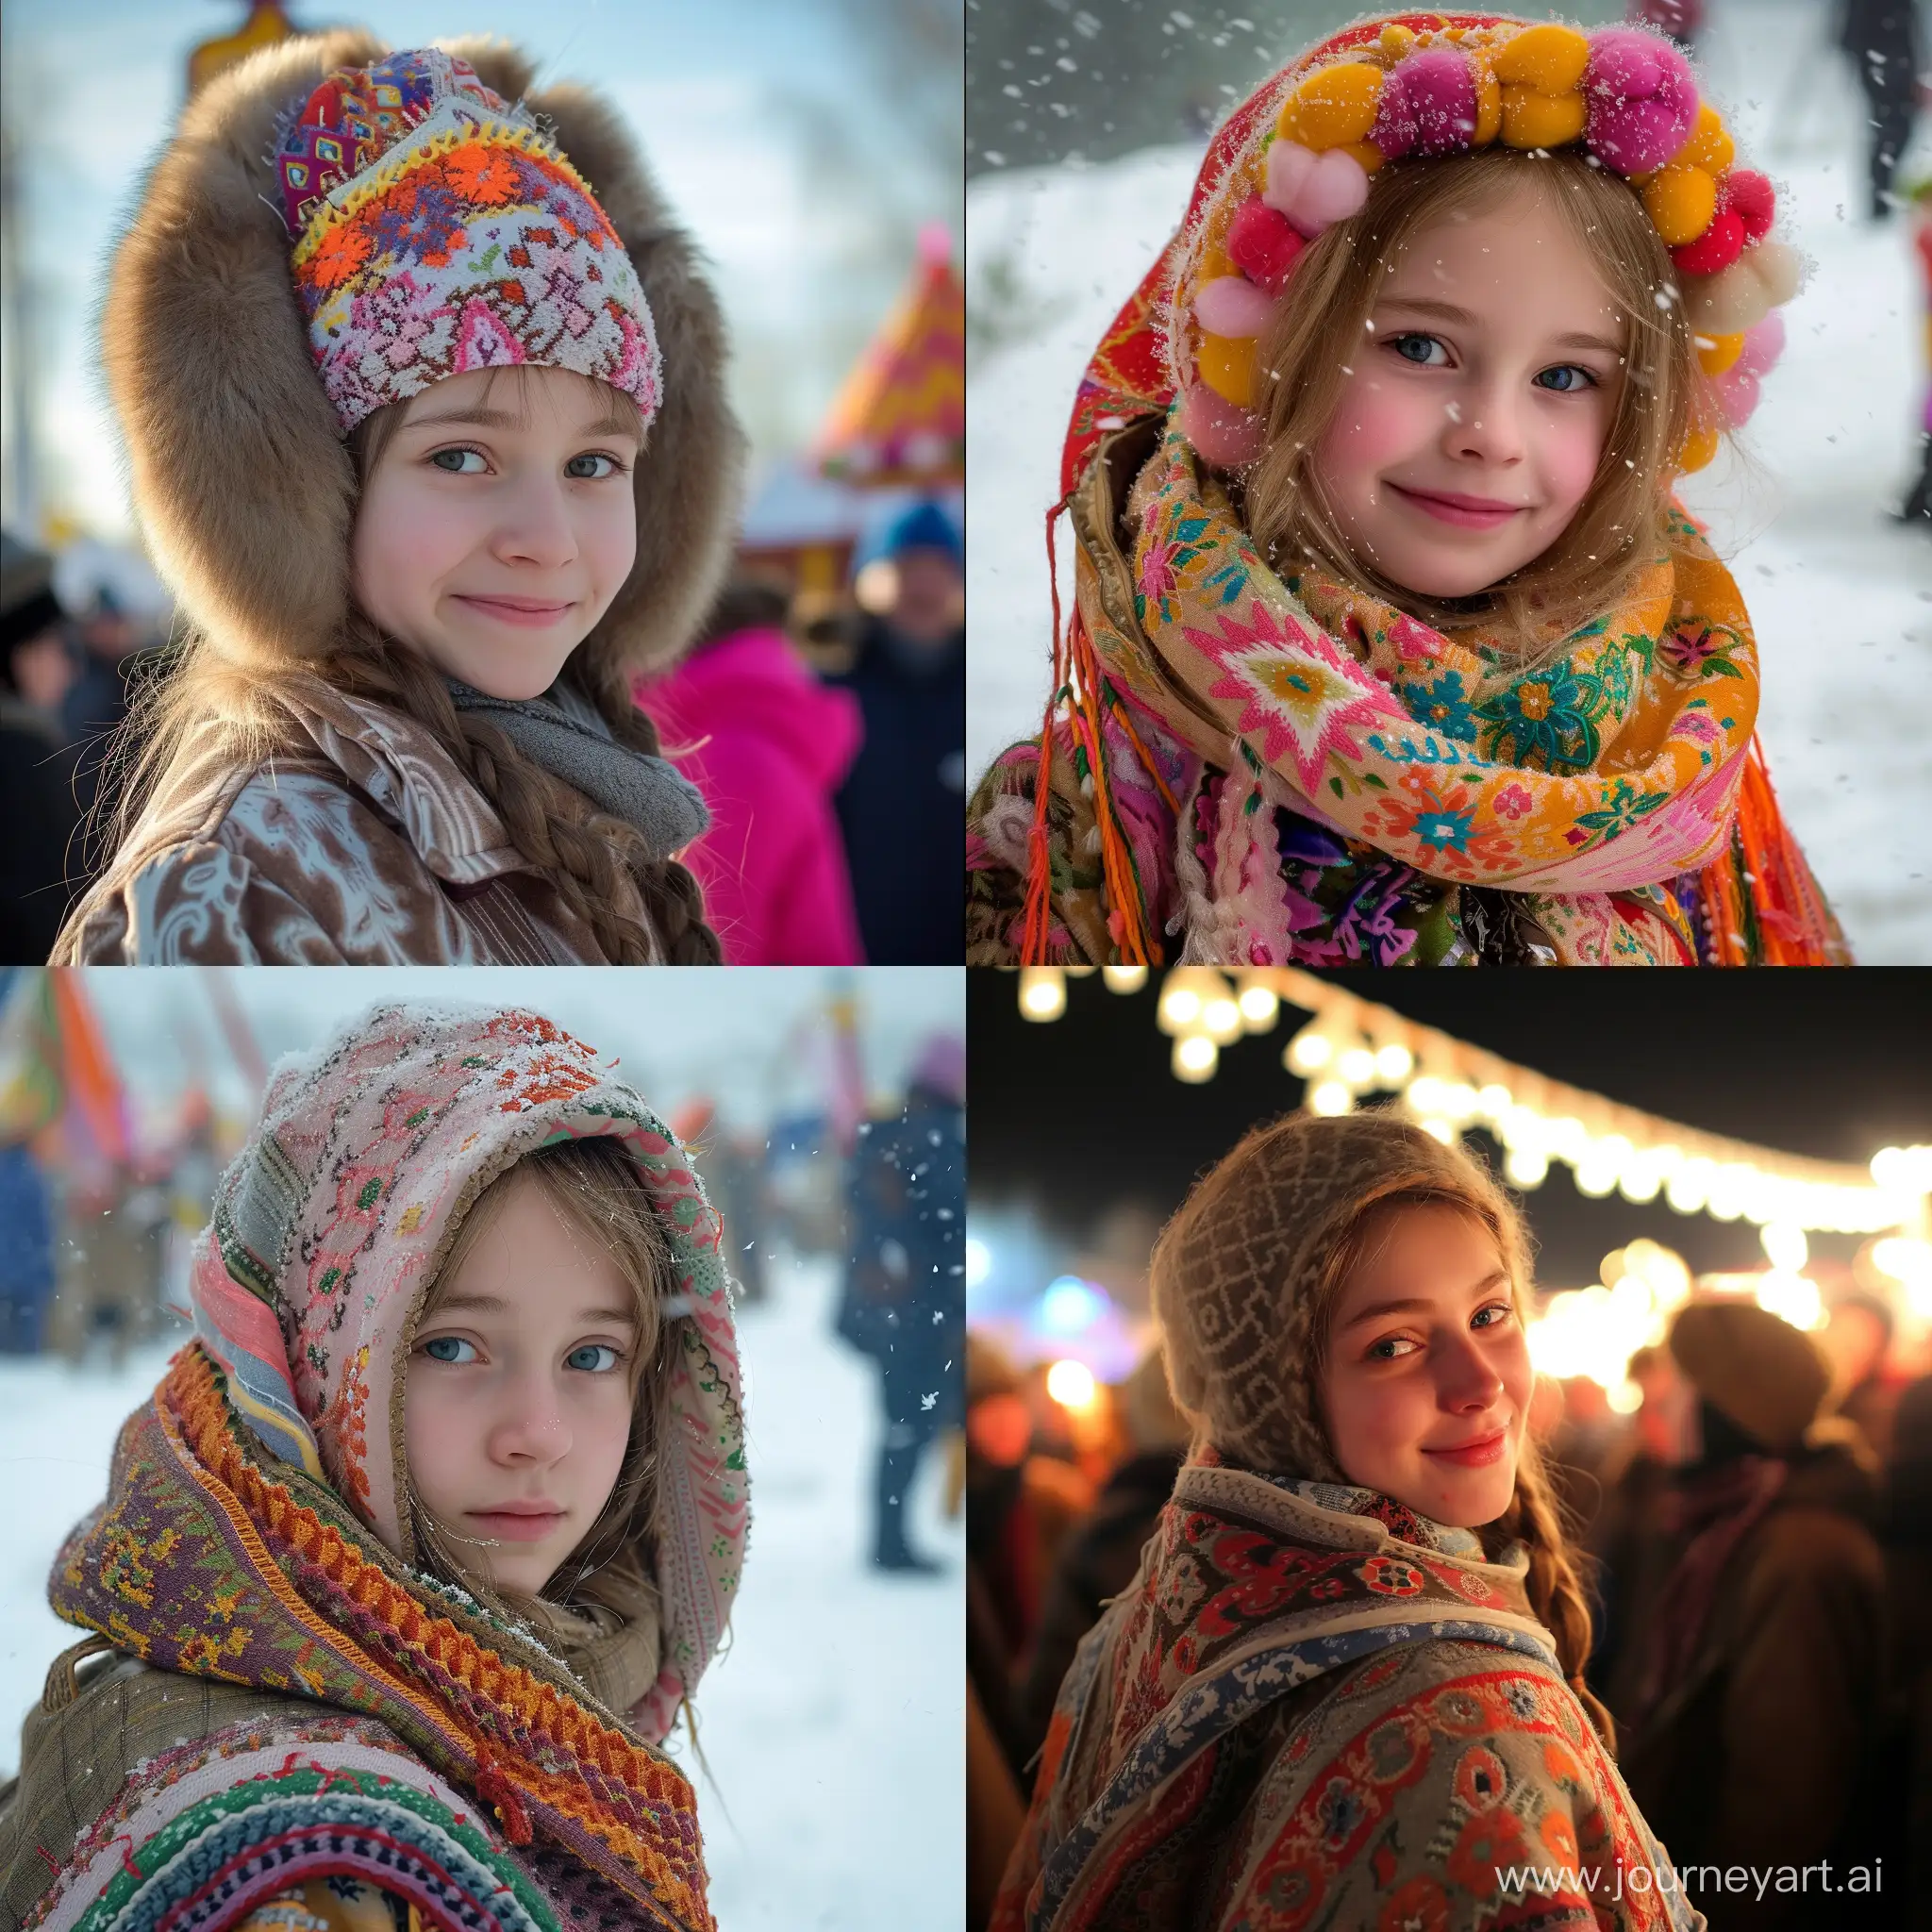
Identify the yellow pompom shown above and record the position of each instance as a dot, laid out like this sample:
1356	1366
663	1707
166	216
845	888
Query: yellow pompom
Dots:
1537	120
1334	106
1228	367
1395	41
1367	152
1548	58
1215	262
1680	202
1488	101
1709	147
1723	351
1699	447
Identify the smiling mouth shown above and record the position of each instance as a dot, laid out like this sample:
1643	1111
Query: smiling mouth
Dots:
516	609
1473	1454
1478	512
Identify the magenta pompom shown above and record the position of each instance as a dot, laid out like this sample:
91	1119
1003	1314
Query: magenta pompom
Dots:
1642	99
1749	196
1263	246
1427	104
1764	342
1225	436
1231	306
1736	394
1719	246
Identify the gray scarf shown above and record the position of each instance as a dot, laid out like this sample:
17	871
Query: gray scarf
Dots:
563	732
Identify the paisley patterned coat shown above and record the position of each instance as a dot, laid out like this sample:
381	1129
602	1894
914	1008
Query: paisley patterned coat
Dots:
1302	1715
370	847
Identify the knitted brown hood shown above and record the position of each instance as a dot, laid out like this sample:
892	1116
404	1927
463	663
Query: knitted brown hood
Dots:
242	484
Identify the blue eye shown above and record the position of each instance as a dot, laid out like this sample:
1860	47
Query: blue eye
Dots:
574	1359
1567	389
442	1348
1399	345
577	475
459	455
1502	1311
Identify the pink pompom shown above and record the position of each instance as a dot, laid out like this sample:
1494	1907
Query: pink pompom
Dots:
1290	165
1227	437
1736	394
1715	249
1232	306
1263	246
1427	104
1642	99
1763	344
1750	196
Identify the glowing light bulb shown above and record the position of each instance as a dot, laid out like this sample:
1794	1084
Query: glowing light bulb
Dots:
1042	993
1071	1384
1330	1097
1221	1018
1308	1052
1356	1067
1261	1006
1393	1063
1124	978
1785	1246
1195	1058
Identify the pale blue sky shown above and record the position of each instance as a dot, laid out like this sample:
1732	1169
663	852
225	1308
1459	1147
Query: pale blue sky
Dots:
734	104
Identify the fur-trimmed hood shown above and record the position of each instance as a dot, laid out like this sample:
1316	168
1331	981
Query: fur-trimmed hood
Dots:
209	368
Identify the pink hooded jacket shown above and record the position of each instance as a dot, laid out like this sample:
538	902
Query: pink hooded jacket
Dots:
768	745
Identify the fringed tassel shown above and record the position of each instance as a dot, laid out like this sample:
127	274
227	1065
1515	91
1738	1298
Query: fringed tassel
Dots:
1761	902
1078	683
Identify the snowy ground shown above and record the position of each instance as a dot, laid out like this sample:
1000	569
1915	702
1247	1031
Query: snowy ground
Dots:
1841	596
832	1726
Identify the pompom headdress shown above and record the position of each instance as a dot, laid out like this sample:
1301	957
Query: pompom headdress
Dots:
1431	85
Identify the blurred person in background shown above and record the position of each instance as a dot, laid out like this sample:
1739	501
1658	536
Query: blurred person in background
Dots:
1866	1384
1750	1693
1637	1474
1884	42
112	657
904	799
1102	1553
37	769
767	743
108	1269
904	1303
26	1254
1906	1536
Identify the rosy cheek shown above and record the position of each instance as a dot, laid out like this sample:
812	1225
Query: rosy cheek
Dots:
1570	455
1375	422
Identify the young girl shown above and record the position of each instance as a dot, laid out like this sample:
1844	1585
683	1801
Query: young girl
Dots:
432	445
1392	643
1346	1686
422	1543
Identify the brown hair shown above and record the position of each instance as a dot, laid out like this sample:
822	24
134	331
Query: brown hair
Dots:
582	852
595	1187
1622	523
1535	1516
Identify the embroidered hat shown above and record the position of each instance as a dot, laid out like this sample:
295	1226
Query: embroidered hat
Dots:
1237	1275
1428	86
330	1226
437	229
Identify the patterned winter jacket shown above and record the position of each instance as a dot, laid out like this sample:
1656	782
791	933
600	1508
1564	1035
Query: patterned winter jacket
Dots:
368	847
1300	1714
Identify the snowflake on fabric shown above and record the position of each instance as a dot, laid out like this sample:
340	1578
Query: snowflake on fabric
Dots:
1304	695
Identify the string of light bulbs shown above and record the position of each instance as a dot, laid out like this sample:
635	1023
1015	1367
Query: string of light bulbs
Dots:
1351	1048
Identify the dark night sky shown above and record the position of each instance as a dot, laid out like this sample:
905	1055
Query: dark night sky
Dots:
1078	1115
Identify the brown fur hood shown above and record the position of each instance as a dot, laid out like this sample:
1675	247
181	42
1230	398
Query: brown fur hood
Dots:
241	478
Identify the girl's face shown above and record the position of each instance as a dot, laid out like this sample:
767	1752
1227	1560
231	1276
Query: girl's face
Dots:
1427	1380
518	1405
491	538
1478	403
